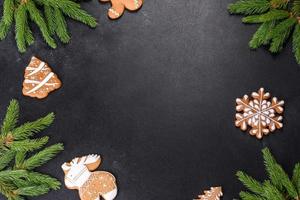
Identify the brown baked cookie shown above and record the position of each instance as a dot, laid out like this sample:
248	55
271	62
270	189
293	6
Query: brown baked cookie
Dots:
118	7
39	79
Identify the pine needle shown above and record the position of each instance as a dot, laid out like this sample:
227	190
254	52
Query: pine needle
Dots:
296	43
29	145
30	128
280	34
11	117
250	183
262	35
249	7
36	16
269	16
42	157
61	24
296	177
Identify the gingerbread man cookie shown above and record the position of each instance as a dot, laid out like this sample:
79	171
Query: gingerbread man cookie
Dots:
213	194
39	79
118	7
91	185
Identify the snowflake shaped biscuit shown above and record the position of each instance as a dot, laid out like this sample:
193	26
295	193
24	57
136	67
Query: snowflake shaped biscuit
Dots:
260	113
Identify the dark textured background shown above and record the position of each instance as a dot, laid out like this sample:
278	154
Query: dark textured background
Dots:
154	94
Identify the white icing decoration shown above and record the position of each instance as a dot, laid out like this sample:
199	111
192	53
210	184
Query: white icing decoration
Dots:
39	68
136	2
114	12
37	82
48	77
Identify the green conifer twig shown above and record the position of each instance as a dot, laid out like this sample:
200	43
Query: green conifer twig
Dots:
280	19
278	187
48	15
17	178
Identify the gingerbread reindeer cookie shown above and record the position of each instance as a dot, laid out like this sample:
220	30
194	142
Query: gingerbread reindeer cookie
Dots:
39	79
118	7
91	185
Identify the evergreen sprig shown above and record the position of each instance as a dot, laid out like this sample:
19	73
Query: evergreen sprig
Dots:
279	19
19	156
278	187
48	15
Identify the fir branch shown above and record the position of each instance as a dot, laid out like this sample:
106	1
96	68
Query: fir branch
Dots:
262	35
249	196
30	128
5	158
269	16
32	191
49	14
296	177
296	43
28	35
249	7
278	22
8	11
20	18
250	183
19	159
72	10
36	16
43	179
280	33
271	192
4	29
29	145
61	25
17	178
11	117
42	157
279	187
277	175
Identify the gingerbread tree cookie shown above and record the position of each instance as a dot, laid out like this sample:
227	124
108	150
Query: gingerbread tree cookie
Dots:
118	7
39	79
259	112
213	194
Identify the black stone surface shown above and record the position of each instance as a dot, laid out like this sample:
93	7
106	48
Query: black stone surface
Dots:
154	94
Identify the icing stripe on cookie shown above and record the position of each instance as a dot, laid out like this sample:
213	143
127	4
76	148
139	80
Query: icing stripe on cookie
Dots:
39	68
37	82
114	12
136	2
48	77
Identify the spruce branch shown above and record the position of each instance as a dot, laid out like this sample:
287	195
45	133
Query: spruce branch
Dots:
11	117
249	7
262	35
48	15
279	187
279	20
30	128
19	155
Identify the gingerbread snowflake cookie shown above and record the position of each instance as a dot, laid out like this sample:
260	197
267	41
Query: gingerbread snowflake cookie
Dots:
261	113
91	185
213	194
118	7
39	79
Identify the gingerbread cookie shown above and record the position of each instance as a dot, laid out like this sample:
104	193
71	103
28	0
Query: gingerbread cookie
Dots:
118	7
213	194
91	185
39	79
259	112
